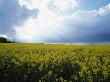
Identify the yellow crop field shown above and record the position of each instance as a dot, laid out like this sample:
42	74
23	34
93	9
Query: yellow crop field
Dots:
54	63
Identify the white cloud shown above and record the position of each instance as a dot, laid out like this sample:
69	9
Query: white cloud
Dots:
82	16
50	24
38	28
104	10
43	4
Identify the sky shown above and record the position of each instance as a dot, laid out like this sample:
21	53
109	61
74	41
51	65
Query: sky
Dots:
55	21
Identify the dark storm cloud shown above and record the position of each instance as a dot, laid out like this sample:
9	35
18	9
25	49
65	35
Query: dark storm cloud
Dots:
11	14
99	31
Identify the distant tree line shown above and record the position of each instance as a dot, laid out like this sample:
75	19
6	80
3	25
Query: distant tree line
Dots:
4	40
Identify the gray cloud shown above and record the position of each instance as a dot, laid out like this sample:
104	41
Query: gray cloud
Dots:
91	26
11	14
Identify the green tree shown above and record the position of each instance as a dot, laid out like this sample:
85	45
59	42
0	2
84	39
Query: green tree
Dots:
3	40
